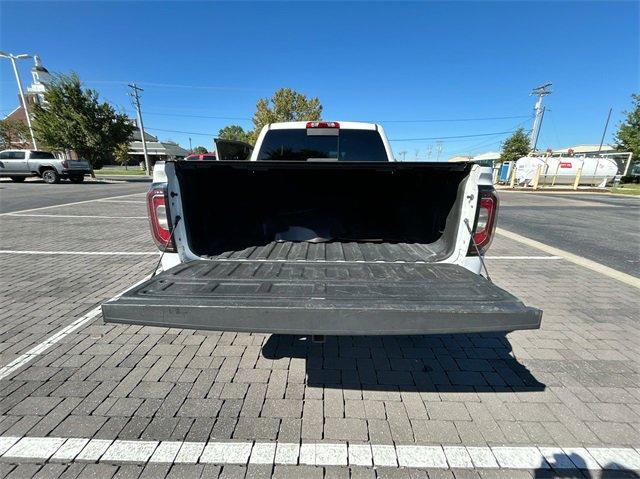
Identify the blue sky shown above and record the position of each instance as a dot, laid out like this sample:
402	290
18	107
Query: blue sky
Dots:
201	63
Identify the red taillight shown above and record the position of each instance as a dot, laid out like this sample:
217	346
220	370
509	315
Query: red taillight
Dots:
323	124
485	222
159	219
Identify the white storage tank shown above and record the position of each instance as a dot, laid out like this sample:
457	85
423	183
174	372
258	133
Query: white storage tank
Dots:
565	169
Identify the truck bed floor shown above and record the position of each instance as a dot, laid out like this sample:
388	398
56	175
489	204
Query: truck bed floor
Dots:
334	252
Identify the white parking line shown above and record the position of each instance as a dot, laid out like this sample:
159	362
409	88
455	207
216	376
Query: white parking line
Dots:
70	204
83	253
130	451
38	349
523	257
29	215
579	260
141	202
321	454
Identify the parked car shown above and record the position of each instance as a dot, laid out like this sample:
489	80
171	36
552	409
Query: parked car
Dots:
20	164
226	150
322	233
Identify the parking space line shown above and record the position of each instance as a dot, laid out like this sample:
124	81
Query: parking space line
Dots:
139	451
523	257
41	347
124	201
579	260
83	253
70	204
29	215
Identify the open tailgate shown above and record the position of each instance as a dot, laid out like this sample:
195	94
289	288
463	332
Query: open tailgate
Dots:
322	297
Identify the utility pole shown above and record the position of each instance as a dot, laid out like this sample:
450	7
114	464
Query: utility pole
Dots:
190	147
13	59
438	149
606	125
535	141
539	91
403	153
136	97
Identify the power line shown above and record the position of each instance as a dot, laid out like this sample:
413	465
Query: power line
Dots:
485	143
198	116
434	120
455	136
177	85
184	132
395	139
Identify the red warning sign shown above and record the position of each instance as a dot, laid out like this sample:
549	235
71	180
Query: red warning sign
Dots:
565	164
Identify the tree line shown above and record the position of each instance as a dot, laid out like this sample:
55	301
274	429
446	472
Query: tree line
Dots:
72	118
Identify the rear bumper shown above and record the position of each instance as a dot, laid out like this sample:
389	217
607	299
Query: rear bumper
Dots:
330	298
79	172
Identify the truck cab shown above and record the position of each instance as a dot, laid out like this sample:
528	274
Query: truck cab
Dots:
322	141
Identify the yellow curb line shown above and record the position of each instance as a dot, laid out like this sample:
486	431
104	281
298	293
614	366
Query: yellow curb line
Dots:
579	260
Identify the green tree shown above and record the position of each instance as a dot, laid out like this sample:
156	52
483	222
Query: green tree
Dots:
121	154
198	150
72	118
13	131
627	137
515	147
234	132
286	104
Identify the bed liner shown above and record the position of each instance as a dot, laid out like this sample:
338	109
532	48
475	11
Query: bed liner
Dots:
331	289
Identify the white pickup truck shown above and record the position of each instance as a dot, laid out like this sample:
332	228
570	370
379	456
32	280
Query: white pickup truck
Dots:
20	164
321	232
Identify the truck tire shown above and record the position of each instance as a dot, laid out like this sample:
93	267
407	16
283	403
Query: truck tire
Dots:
50	176
17	179
76	178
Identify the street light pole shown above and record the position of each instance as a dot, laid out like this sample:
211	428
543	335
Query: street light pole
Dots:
13	59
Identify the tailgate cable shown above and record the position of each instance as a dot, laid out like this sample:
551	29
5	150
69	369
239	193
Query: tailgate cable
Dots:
155	271
475	245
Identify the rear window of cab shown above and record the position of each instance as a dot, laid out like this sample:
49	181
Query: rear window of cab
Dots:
299	145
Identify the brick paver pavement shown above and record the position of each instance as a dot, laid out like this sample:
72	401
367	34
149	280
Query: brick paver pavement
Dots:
574	383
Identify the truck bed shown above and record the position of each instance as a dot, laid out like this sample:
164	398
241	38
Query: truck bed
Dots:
333	252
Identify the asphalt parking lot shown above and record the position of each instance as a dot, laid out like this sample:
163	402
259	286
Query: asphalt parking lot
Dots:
603	228
79	398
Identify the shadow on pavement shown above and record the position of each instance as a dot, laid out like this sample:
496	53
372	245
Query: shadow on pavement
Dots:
575	466
447	363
